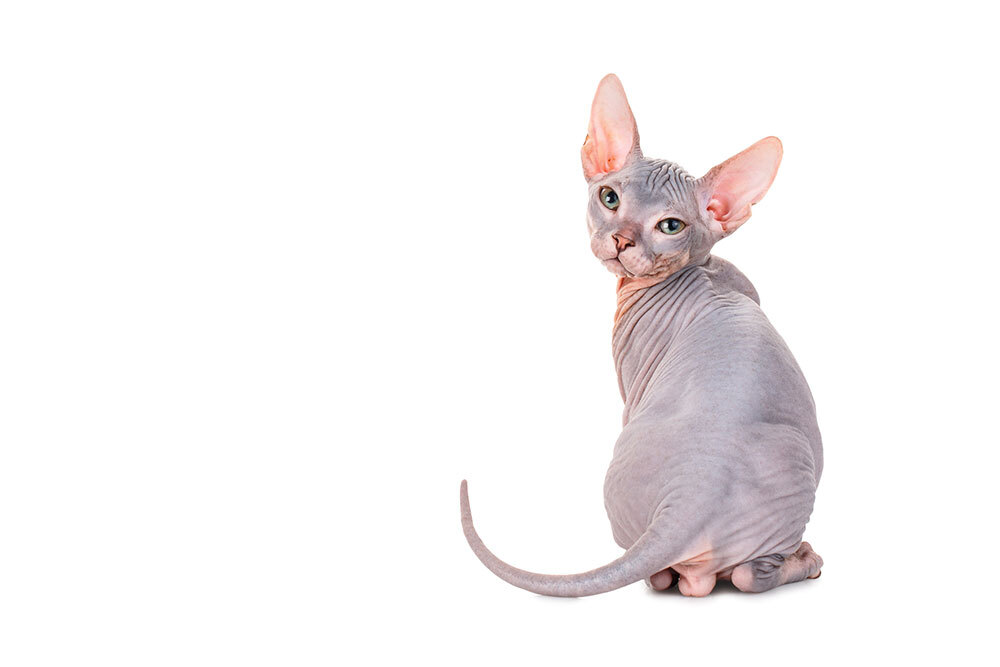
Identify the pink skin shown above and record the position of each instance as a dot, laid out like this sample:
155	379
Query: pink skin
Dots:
715	472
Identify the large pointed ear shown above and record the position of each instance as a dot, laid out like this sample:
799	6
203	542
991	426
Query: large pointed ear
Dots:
612	138
731	188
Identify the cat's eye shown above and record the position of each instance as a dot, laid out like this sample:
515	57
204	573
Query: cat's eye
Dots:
670	226
609	198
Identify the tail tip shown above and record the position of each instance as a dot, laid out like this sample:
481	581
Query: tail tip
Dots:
463	500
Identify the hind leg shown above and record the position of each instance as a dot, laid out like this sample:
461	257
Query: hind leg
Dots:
662	580
767	572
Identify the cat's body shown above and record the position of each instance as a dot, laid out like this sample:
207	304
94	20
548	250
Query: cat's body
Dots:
716	469
719	424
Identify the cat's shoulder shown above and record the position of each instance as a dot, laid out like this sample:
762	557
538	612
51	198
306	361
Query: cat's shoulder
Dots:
725	277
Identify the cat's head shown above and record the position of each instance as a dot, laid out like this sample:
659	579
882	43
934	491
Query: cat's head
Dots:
649	218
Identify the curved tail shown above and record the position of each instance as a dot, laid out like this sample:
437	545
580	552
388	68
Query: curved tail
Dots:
643	559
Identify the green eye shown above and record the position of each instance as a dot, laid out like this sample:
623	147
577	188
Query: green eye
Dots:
609	198
670	226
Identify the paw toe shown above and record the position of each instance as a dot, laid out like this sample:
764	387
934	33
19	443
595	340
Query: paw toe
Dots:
662	580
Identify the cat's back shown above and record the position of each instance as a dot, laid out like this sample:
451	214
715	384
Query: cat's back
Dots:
731	349
700	344
733	364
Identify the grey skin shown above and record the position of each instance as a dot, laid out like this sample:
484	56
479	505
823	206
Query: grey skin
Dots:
715	472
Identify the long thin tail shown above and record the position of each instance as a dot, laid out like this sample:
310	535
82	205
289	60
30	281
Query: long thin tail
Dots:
644	558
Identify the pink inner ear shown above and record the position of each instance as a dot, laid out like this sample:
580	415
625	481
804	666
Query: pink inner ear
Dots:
742	181
611	135
720	209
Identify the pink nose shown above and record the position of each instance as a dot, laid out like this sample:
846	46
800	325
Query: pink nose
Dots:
622	242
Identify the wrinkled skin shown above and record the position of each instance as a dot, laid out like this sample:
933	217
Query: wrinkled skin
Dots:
715	472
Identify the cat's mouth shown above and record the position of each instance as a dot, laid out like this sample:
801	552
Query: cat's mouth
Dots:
615	266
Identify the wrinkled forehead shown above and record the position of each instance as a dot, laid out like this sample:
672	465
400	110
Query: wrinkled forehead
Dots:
656	179
648	187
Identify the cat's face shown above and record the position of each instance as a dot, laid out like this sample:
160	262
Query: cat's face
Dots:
645	220
649	218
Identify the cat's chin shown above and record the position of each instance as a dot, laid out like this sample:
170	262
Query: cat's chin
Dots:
616	267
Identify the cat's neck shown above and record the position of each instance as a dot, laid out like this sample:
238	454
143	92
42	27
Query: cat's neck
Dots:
631	290
720	271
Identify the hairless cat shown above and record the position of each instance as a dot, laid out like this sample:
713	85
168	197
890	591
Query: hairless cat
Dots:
715	472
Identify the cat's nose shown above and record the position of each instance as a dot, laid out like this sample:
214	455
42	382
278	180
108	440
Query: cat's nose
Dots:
622	241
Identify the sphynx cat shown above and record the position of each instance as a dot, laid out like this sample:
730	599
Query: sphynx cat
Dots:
715	471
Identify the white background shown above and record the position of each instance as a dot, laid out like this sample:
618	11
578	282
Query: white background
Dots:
275	277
